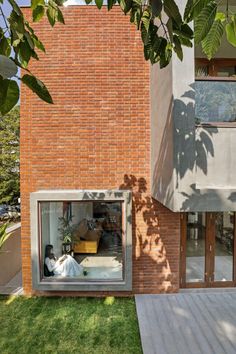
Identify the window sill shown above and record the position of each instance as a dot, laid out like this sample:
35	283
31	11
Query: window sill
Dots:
216	125
49	285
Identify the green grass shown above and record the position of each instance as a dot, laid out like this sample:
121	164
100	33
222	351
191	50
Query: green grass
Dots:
68	325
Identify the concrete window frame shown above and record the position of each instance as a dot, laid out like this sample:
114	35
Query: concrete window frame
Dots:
42	284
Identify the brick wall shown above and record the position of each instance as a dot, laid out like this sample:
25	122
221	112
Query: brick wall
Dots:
97	134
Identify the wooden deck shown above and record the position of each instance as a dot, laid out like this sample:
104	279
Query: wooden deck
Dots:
188	323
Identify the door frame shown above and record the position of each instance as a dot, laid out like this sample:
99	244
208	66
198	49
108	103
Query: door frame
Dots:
209	254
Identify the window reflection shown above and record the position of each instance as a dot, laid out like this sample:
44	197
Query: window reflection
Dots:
195	247
215	101
82	240
224	230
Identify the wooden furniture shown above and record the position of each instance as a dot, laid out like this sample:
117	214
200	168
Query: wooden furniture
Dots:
85	240
86	246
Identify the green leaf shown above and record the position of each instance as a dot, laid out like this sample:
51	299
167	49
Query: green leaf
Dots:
111	3
169	26
126	5
5	48
36	3
17	24
159	45
186	42
51	15
171	9
25	53
3	234
54	14
38	13
193	9
165	56
230	29
99	3
38	44
185	31
146	19
16	7
7	67
211	42
156	6
220	16
29	39
177	47
199	5
60	17
144	34
188	10
204	21
37	87
34	55
60	2
9	95
136	15
152	43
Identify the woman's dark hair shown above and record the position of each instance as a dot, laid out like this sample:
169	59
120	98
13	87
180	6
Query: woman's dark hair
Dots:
48	254
48	249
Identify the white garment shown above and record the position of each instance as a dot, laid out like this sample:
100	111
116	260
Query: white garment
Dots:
68	268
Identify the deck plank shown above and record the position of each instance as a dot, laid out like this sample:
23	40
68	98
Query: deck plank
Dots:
188	323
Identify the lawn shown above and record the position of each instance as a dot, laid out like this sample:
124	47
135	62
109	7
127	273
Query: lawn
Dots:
68	325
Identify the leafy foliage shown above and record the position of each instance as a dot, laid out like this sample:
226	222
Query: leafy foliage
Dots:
4	235
18	45
66	229
163	31
162	37
38	87
204	21
211	24
231	31
212	41
9	156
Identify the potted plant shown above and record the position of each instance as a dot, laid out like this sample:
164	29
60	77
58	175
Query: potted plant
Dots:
66	230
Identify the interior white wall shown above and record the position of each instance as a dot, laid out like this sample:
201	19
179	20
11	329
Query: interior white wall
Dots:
45	207
56	211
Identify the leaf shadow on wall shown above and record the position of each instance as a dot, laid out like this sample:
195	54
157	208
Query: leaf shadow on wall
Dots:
184	149
152	224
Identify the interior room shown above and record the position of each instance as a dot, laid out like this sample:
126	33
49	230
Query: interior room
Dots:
90	232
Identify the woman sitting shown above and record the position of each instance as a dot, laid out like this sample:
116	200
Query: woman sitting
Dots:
66	266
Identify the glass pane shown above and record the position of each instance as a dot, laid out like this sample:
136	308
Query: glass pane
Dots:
195	247
226	71
224	227
215	101
82	240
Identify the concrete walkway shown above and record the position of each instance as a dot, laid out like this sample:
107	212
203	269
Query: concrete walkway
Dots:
14	287
188	323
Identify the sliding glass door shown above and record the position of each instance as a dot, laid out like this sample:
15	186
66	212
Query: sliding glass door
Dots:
207	249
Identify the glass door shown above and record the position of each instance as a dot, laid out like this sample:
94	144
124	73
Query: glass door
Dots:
207	249
223	247
193	249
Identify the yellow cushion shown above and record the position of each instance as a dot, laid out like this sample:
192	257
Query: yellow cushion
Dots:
86	247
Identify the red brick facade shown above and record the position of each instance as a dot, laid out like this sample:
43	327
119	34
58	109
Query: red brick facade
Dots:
97	134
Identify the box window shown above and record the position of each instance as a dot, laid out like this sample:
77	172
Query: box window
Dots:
83	242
